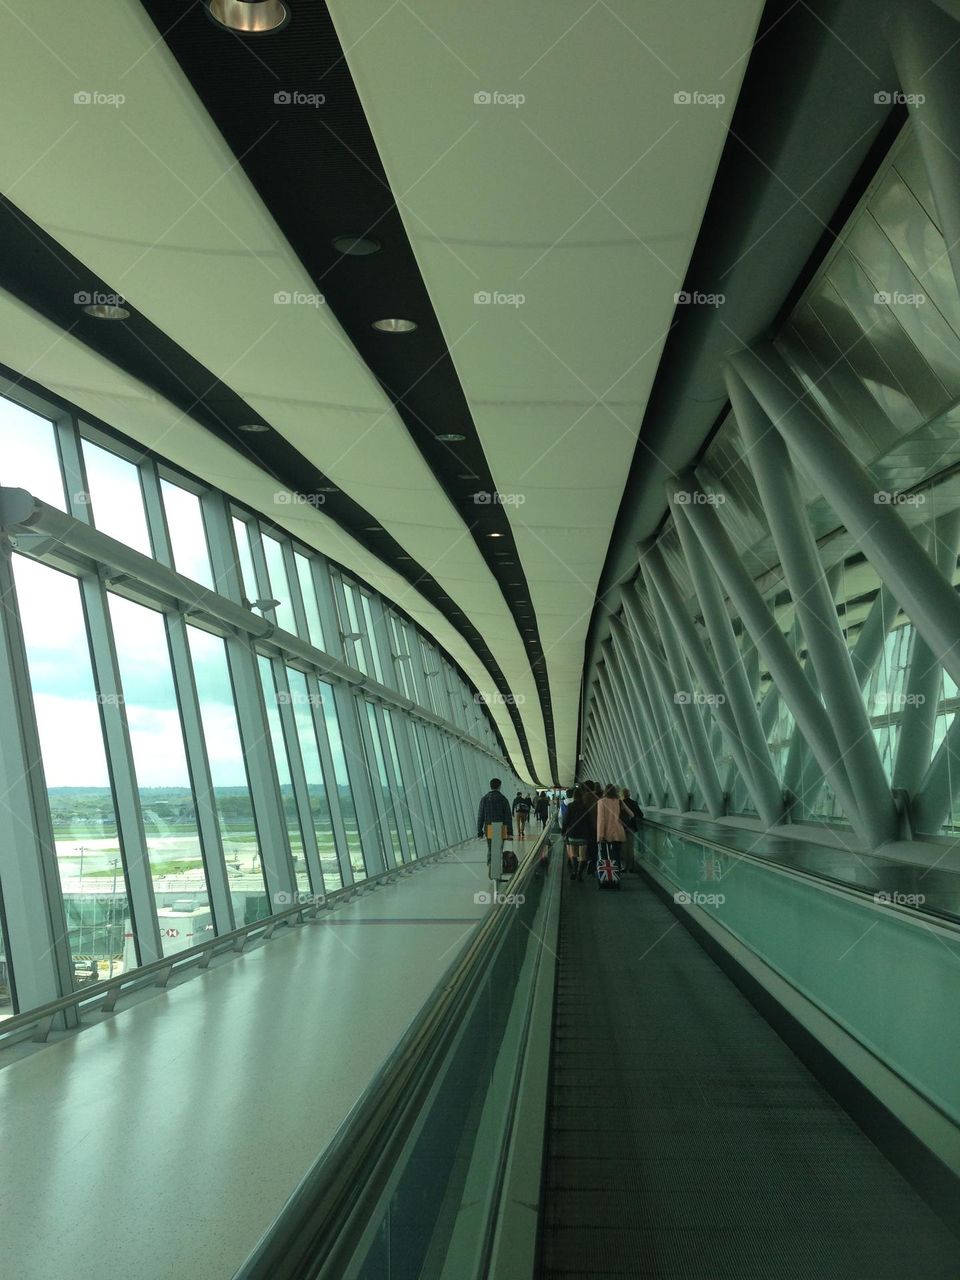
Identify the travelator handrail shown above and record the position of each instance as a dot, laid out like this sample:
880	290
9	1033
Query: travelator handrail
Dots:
101	997
943	919
323	1222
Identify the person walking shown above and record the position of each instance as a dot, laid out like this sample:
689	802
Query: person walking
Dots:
631	815
576	833
591	794
610	829
542	809
494	807
521	807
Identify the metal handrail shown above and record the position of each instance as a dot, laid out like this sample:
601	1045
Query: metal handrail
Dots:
103	996
324	1219
943	919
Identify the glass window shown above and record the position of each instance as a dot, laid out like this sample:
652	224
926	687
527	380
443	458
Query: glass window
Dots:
354	646
228	773
28	454
279	587
89	858
386	791
241	533
403	799
287	796
188	537
348	809
427	788
116	497
311	608
403	664
371	635
163	780
303	709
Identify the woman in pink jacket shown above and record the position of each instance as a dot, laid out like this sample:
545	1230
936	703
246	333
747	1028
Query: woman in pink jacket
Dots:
609	827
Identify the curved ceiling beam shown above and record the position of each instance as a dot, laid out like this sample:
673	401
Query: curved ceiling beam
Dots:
197	254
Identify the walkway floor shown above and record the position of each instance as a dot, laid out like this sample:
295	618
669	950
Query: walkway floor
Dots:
687	1140
164	1141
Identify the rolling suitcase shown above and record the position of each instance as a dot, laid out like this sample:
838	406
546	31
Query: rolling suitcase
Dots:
608	868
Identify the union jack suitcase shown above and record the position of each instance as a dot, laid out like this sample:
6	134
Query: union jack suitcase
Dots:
608	868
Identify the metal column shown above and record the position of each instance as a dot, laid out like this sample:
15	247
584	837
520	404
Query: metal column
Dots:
780	660
826	646
753	761
918	715
921	590
684	696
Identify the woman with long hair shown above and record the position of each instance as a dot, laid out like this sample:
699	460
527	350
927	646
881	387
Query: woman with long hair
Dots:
610	830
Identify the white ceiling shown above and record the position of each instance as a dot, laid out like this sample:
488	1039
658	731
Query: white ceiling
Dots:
587	199
148	196
494	197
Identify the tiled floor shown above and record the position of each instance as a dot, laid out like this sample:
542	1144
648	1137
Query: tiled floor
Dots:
164	1141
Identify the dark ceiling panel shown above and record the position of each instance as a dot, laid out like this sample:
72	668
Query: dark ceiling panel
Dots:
38	270
316	167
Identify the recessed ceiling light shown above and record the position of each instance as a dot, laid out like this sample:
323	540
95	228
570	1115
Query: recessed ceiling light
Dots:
395	326
249	17
494	535
107	311
253	427
328	488
373	528
404	557
469	476
356	246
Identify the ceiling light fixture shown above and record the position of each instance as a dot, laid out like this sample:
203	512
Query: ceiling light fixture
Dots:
106	311
249	17
450	436
494	535
395	326
356	246
253	427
